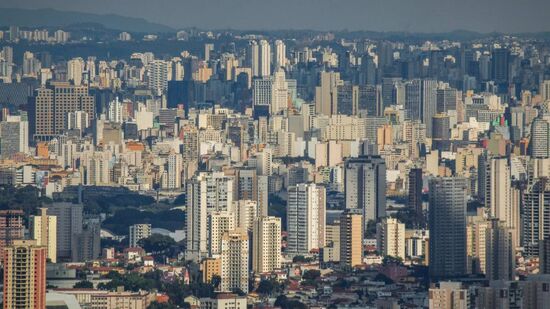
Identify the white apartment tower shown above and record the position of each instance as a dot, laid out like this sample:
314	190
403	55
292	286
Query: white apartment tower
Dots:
390	238
266	255
234	273
306	218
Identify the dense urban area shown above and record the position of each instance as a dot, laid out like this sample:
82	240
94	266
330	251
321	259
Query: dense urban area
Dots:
273	169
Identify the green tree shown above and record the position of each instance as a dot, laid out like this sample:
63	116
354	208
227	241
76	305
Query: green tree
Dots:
157	305
311	274
157	243
84	284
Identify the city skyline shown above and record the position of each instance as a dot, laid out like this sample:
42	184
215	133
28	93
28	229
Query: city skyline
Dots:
419	16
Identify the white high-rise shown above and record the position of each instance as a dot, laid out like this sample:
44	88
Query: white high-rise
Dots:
115	111
305	218
253	54
234	274
173	172
75	68
206	192
246	211
264	59
280	55
219	223
158	72
266	255
390	236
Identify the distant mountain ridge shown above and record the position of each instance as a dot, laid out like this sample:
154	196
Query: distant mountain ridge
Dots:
55	18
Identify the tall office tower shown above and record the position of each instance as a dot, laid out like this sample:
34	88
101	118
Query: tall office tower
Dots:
441	127
500	257
264	58
158	72
326	94
494	177
413	99
208	49
384	51
245	212
351	238
14	136
115	111
219	223
545	90
536	207
234	261
253	58
414	199
262	93
389	92
539	146
447	222
365	186
348	99
206	192
25	275
369	100
174	165
429	104
448	295
390	238
279	61
138	232
11	227
69	223
266	244
53	103
306	209
43	229
75	68
280	95
446	98
500	65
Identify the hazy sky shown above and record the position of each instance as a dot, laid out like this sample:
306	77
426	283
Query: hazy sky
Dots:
376	15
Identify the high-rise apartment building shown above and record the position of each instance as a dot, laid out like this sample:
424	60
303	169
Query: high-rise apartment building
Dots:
52	104
206	192
25	275
14	136
138	232
447	221
11	227
69	224
351	238
219	223
234	263
326	94
500	257
306	218
43	229
279	59
266	244
365	186
390	238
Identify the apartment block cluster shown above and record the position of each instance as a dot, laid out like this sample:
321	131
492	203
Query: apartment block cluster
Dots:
375	157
